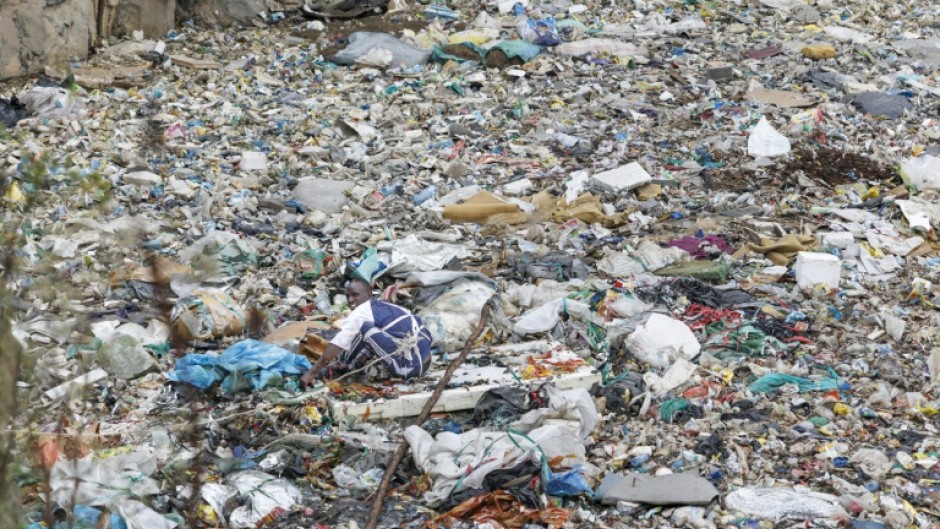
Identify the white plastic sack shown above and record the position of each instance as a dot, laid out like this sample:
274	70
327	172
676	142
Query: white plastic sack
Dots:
378	57
362	43
933	366
619	264
529	295
848	34
138	516
412	253
350	478
449	457
778	503
628	307
99	481
452	317
575	185
574	405
595	46
109	482
654	256
765	142
156	331
544	318
662	340
922	172
895	245
264	493
46	102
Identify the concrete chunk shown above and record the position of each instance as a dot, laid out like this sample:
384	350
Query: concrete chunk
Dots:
670	489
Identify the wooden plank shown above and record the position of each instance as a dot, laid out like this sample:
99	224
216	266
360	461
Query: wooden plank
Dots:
455	399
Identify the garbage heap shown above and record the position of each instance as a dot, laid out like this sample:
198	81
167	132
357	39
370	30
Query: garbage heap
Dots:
709	229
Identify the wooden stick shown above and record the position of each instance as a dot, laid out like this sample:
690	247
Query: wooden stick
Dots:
423	416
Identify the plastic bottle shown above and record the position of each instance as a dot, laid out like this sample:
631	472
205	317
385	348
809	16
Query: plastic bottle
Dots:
322	301
425	195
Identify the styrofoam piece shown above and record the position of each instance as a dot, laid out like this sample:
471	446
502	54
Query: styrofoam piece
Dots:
518	187
65	388
253	161
933	366
462	398
835	239
142	178
678	374
662	340
623	178
575	185
816	268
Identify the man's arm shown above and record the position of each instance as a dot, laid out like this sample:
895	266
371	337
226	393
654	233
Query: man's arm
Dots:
342	341
329	354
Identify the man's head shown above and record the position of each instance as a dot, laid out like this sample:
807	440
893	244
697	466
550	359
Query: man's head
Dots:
358	292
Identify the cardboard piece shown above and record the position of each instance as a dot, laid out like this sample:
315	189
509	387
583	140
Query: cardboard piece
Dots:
779	98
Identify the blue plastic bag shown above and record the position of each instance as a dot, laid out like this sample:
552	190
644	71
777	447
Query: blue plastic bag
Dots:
260	364
367	267
197	369
541	32
571	483
247	365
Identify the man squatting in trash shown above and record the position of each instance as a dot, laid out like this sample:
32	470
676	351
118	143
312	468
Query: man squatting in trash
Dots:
375	331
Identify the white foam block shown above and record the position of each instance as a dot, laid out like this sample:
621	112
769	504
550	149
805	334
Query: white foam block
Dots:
815	268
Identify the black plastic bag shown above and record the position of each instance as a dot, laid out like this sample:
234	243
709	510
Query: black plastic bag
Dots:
11	111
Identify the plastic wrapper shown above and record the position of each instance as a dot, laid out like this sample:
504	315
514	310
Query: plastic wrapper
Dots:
207	315
765	142
452	317
567	484
394	51
262	495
